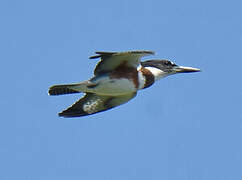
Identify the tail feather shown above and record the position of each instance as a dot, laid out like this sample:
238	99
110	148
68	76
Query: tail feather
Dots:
61	89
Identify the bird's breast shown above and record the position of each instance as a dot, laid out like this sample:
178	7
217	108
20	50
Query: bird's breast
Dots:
146	78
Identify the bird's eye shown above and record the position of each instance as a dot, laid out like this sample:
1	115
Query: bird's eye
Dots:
167	63
170	63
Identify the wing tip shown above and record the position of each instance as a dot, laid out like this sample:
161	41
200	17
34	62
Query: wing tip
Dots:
101	54
66	114
72	112
95	57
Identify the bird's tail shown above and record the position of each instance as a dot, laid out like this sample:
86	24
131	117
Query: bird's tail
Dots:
85	86
70	88
63	89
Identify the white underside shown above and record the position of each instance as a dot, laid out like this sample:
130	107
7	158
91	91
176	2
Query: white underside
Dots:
115	87
107	86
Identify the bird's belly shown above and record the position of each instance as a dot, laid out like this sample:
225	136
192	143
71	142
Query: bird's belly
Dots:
115	87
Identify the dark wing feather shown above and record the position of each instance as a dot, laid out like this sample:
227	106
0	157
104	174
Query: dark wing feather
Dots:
93	103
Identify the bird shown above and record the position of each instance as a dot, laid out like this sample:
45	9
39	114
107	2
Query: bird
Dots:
118	76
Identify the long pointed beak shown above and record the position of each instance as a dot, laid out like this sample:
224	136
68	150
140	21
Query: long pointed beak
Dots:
182	69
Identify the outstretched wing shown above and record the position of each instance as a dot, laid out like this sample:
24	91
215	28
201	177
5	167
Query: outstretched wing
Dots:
93	103
111	60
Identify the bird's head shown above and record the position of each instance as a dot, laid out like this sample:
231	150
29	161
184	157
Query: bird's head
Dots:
163	68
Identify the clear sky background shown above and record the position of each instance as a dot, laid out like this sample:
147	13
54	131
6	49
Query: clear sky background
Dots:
185	127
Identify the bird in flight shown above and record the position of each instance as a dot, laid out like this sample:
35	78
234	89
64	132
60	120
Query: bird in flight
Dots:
117	78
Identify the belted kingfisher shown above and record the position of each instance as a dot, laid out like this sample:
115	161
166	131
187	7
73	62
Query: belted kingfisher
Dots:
117	78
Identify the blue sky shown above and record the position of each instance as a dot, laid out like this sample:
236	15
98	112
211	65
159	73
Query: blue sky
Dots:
185	127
